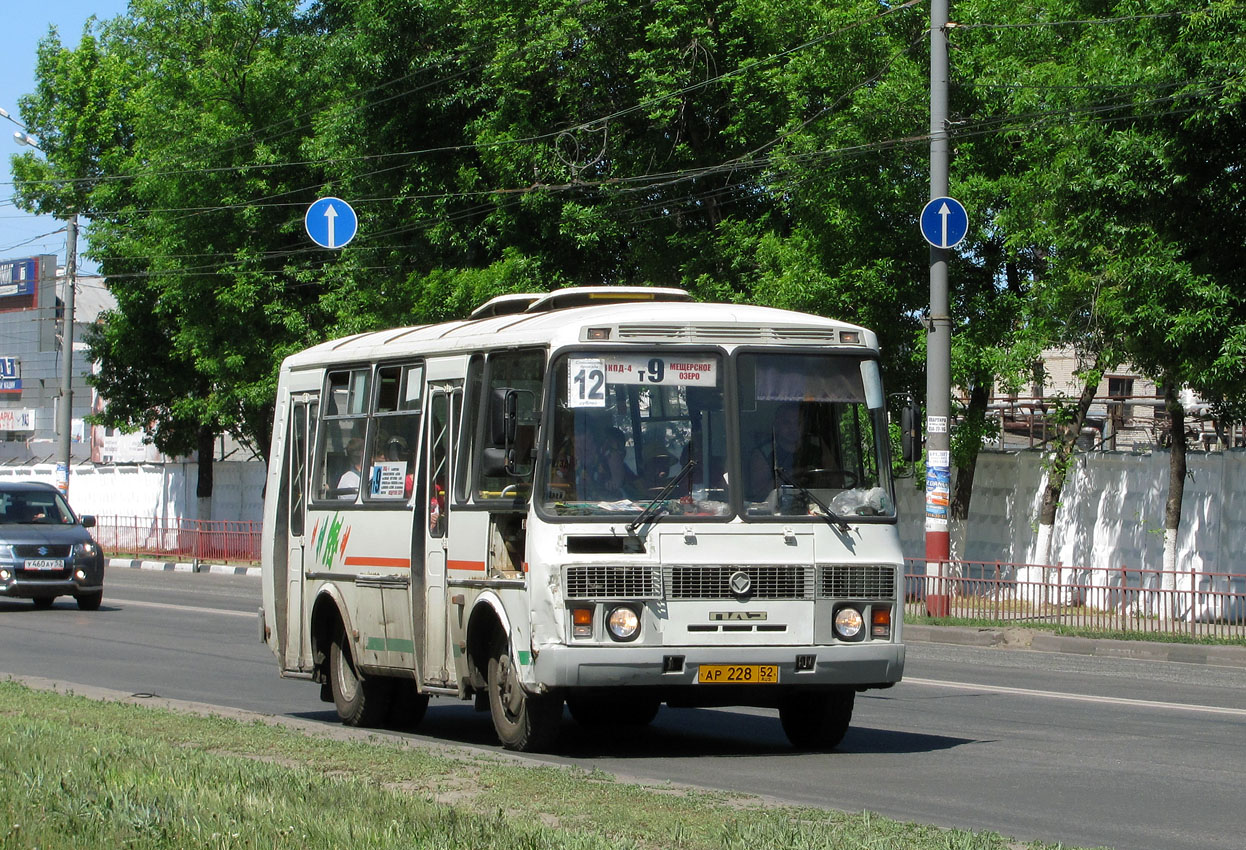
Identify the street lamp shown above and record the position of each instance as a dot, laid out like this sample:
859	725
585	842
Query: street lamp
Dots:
65	408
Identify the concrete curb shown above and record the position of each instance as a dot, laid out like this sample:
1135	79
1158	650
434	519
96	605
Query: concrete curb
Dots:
1039	641
182	567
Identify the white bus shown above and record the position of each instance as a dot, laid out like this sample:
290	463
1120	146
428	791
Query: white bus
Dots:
606	497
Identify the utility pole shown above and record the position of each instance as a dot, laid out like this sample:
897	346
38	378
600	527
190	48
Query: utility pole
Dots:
938	336
65	410
65	402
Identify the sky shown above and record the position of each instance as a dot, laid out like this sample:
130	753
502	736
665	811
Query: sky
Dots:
25	23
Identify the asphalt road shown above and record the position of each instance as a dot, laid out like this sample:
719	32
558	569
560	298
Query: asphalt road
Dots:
1040	746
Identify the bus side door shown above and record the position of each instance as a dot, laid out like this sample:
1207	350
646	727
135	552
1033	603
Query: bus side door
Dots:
444	405
297	650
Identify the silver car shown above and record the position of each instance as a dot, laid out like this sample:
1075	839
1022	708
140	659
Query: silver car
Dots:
45	549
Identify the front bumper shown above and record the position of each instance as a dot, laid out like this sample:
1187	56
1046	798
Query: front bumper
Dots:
673	669
74	579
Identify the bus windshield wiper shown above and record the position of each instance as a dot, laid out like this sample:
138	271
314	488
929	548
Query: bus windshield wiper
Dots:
657	505
826	509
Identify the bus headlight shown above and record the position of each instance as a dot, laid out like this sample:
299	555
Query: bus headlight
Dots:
623	623
848	623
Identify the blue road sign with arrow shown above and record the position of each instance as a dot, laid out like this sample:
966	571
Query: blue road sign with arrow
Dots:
331	222
944	222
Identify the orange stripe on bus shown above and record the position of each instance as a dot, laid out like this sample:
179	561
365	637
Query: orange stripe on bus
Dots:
365	561
473	566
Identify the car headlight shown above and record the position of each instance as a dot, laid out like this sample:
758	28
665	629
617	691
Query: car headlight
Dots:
848	623
6	552
623	623
86	550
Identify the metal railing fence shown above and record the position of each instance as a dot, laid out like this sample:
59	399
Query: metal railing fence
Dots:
222	541
1124	598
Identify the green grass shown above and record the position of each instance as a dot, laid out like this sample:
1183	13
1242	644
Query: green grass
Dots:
78	773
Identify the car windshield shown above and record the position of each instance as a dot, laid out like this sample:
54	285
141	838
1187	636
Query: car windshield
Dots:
813	430
34	507
625	425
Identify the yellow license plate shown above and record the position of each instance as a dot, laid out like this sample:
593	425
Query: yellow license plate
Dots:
738	674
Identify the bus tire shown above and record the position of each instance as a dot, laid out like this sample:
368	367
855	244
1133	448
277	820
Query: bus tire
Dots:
818	720
524	722
359	701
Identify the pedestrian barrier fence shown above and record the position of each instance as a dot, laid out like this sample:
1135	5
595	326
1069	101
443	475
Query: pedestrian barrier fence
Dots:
1124	598
220	541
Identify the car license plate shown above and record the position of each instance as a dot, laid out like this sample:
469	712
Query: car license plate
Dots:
44	564
738	674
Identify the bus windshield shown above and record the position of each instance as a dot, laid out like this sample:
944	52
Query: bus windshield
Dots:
813	435
625	425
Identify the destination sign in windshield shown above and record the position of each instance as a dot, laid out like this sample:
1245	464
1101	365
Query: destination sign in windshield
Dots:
587	377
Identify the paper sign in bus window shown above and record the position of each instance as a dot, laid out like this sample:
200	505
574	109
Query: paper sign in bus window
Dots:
389	479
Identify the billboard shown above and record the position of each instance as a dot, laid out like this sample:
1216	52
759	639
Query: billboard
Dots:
18	277
10	375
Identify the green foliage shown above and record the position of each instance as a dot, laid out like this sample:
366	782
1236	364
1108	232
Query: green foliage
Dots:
754	152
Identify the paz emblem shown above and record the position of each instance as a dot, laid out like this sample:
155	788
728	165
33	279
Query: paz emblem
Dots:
741	584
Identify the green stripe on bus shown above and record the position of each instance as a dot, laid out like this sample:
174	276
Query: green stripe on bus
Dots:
525	657
380	644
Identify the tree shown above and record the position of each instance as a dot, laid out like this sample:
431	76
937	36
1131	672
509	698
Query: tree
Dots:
180	135
1128	168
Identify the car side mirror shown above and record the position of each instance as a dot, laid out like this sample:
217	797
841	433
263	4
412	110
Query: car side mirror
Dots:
87	521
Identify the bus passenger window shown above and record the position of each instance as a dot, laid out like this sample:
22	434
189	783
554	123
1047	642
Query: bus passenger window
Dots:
395	433
339	456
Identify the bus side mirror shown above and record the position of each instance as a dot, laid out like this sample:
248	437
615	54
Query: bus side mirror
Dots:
511	433
911	431
503	416
496	462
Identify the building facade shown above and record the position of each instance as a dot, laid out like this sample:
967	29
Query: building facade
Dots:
31	348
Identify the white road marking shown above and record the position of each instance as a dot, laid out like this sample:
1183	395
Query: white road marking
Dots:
190	608
1028	692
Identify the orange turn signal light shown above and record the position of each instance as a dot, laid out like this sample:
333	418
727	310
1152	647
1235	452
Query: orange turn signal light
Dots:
582	622
880	622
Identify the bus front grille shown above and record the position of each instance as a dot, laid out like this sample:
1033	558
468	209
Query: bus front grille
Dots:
856	581
611	581
713	581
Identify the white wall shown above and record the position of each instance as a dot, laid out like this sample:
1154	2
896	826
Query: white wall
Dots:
1111	512
161	491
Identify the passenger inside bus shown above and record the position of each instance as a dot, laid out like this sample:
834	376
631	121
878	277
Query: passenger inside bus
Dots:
791	448
590	465
348	483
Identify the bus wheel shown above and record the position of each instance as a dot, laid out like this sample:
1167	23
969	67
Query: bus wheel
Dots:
619	710
525	722
359	701
816	721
